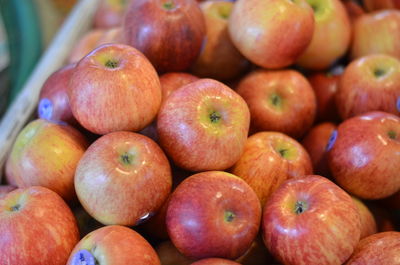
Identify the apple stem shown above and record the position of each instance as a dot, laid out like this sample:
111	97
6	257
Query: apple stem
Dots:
392	135
215	117
300	207
15	208
169	5
229	216
111	64
282	152
379	72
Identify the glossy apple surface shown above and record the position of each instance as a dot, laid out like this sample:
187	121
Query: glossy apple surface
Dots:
213	214
53	98
256	27
369	83
114	88
311	221
368	224
331	37
270	158
381	248
219	59
46	154
281	100
37	227
316	142
365	156
123	178
203	126
379	25
113	245
170	33
215	261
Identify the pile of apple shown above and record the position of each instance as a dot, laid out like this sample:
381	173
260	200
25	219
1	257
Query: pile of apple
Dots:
247	132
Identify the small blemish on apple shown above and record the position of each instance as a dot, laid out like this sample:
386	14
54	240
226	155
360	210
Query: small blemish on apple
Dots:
83	257
332	140
45	109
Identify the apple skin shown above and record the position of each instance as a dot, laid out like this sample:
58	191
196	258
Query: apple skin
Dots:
203	126
169	255
171	82
368	224
263	165
365	157
264	44
310	221
114	245
281	100
213	214
371	5
381	248
369	83
219	59
331	38
123	178
114	88
325	86
37	227
215	261
379	25
315	142
46	154
5	189
85	45
53	98
110	13
170	33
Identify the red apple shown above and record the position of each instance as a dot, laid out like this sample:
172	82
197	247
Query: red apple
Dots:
219	58
123	178
169	32
114	88
369	83
354	9
325	86
203	126
311	221
169	255
86	44
112	35
213	214
371	5
53	98
110	13
271	34
5	189
364	157
113	245
331	38
46	154
379	25
282	101
381	248
173	81
36	227
270	158
315	142
368	224
215	261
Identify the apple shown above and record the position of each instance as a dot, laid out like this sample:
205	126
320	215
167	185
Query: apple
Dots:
281	100
219	59
36	227
256	28
310	221
170	33
46	154
5	189
369	83
85	44
371	5
169	255
53	98
114	88
213	214
379	25
381	248
173	81
110	13
203	126
364	155
123	178
315	142
113	245
112	35
331	38
215	261
325	85
270	158
368	224
354	9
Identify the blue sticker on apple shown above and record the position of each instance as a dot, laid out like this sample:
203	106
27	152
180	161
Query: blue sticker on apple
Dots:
332	140
398	104
45	109
83	257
